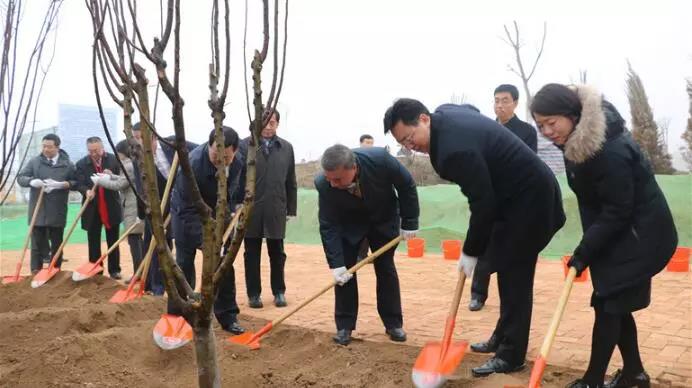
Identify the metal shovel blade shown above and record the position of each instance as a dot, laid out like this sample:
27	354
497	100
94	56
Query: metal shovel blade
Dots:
122	296
12	279
432	367
172	332
43	276
248	339
85	271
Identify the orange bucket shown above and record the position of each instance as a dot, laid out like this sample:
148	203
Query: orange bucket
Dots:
416	247
451	249
680	262
581	278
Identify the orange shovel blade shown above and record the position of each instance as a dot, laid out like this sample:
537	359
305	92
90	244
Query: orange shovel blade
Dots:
122	296
85	271
537	372
172	332
12	279
432	368
43	276
248	339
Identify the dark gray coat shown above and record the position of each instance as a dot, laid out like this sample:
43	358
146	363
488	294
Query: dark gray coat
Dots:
276	191
54	209
629	234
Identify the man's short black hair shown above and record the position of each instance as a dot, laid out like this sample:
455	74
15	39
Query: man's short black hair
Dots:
93	139
136	127
406	110
508	88
52	137
366	137
268	114
123	147
230	137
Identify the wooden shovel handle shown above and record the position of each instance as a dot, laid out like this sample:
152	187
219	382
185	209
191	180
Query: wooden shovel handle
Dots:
331	285
116	244
234	221
34	216
559	311
69	232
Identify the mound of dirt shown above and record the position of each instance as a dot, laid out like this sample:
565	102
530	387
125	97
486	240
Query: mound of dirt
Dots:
66	334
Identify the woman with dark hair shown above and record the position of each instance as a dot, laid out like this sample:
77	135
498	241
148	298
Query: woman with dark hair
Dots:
629	234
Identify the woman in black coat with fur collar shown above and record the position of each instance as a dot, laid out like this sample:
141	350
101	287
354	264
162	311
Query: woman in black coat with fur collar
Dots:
629	234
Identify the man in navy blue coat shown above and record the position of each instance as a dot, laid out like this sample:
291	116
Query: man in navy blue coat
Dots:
365	193
186	224
163	159
515	204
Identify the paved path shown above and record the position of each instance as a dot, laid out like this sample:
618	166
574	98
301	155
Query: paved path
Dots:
665	328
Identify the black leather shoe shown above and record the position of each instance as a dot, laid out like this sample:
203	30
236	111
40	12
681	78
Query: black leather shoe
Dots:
489	346
233	328
496	365
640	380
280	300
476	305
342	337
255	302
397	334
579	383
116	276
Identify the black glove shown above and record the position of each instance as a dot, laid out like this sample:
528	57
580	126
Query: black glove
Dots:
578	264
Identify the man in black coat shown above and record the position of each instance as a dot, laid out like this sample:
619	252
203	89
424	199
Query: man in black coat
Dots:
187	227
515	204
365	193
163	159
276	194
506	101
104	209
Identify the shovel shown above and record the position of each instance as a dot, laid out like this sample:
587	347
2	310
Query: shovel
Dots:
251	340
539	365
126	295
46	274
15	278
87	270
438	360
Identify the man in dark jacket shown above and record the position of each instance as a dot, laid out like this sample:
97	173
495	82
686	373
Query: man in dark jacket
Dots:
276	195
365	193
506	101
163	159
515	204
187	227
53	171
104	209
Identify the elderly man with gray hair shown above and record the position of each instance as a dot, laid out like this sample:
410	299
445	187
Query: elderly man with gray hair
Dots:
365	193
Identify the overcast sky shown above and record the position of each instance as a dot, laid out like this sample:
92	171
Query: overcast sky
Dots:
347	61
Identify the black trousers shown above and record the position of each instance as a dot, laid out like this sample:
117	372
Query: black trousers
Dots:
277	261
94	237
388	292
363	249
225	307
45	241
481	280
516	302
155	277
135	243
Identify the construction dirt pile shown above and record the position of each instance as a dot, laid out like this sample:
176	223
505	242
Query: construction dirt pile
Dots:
65	334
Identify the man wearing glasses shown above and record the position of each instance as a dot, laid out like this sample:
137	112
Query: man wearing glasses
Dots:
514	200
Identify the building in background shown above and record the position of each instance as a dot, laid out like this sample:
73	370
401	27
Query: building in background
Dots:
79	122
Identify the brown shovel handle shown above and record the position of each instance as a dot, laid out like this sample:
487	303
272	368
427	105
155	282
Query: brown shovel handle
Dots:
234	221
69	232
559	311
117	243
34	216
331	285
145	264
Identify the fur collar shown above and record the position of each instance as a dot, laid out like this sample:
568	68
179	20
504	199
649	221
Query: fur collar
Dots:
590	133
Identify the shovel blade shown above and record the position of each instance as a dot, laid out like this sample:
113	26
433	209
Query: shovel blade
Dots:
172	332
85	271
248	339
122	296
12	279
432	368
44	276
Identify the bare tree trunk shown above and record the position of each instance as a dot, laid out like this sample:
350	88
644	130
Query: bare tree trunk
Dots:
208	375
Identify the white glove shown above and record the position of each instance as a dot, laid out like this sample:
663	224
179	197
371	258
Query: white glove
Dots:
55	185
96	178
49	185
407	234
36	183
290	218
341	275
467	264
